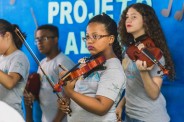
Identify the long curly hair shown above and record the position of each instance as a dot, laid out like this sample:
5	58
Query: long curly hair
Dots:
152	28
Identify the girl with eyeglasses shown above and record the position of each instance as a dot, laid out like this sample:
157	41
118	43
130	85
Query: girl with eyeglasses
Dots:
14	66
143	99
94	96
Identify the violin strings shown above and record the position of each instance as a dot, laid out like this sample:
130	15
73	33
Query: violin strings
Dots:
38	62
27	46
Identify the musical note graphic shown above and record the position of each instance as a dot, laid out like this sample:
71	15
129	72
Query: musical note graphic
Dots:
12	2
179	14
166	12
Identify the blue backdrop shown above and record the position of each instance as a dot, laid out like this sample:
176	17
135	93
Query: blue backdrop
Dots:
71	16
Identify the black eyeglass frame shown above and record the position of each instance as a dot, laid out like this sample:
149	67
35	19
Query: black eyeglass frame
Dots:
44	38
94	37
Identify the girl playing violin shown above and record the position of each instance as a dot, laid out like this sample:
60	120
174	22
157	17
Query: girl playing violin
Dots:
14	66
94	97
143	100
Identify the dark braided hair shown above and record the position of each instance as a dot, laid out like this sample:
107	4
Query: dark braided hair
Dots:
111	28
5	26
152	29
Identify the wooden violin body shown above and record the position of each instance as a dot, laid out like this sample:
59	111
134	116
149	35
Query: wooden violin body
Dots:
150	53
33	84
77	72
134	53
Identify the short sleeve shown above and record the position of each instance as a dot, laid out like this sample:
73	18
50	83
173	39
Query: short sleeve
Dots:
111	83
20	65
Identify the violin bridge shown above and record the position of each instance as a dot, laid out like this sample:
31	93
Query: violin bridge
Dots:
83	60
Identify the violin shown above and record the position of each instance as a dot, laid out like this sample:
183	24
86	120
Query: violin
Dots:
150	53
33	84
77	72
28	88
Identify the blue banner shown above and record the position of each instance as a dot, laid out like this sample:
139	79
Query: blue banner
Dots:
71	16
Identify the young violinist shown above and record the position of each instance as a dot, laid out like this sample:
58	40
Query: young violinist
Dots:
46	39
13	71
95	95
143	100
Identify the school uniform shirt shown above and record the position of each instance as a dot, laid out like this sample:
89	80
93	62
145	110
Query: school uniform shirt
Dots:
48	99
16	62
138	104
108	83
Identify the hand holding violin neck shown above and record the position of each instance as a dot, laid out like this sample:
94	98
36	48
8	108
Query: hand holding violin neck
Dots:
76	72
149	53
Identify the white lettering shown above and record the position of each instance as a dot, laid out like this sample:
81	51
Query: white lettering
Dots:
124	4
83	49
77	11
66	9
53	10
96	9
71	44
81	4
106	7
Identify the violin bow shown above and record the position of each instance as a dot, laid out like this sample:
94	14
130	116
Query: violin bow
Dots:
38	62
19	34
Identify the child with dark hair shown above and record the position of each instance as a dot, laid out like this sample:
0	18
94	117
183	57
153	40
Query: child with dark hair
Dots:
14	66
96	94
143	100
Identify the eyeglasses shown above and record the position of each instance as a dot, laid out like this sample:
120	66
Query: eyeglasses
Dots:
94	37
44	38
